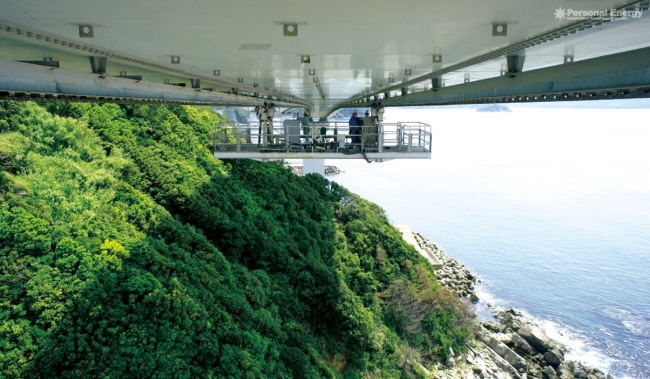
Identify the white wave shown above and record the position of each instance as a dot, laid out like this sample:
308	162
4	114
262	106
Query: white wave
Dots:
606	332
485	296
578	347
487	302
637	324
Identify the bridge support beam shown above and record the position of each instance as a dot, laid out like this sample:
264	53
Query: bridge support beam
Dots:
616	76
515	62
436	83
98	64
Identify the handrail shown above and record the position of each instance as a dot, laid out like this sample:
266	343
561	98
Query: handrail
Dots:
400	137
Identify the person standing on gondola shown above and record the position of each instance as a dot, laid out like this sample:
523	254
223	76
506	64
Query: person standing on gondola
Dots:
355	129
306	129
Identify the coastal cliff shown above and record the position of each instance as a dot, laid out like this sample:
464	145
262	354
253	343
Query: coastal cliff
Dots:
128	251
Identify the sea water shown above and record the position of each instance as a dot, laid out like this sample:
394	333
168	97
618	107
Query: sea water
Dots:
550	207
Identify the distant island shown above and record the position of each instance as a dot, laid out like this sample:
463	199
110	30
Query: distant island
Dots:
494	108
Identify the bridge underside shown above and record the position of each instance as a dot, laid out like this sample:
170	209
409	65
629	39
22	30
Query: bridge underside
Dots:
322	56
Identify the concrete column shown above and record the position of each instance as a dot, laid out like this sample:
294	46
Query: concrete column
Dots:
313	165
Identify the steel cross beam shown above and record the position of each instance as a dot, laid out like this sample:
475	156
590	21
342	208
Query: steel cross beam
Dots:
622	75
24	81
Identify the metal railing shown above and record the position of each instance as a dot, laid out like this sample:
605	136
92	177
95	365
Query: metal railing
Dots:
401	137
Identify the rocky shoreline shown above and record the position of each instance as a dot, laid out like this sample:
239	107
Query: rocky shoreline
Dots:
452	276
510	347
329	170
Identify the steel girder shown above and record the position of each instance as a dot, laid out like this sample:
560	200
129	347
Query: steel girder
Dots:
25	81
616	76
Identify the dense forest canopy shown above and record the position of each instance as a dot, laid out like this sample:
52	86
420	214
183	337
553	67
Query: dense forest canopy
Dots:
127	250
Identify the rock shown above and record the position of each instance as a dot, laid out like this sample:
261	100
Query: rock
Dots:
597	373
513	312
522	345
565	370
534	372
509	320
535	336
554	357
476	369
505	338
579	371
492	327
332	170
298	170
549	373
482	334
504	351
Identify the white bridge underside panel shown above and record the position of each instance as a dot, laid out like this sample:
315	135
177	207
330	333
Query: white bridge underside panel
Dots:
342	50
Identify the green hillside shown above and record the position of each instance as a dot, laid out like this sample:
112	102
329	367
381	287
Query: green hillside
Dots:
128	251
